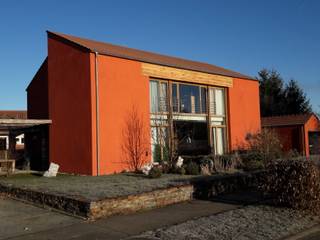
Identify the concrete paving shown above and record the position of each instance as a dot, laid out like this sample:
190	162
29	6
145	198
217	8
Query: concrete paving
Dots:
24	221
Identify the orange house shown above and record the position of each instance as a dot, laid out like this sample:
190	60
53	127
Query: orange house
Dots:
296	132
88	88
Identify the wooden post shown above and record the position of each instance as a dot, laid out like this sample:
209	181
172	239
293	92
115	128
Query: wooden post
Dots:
12	145
209	120
170	121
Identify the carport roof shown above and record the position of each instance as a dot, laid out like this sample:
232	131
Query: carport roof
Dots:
286	120
12	124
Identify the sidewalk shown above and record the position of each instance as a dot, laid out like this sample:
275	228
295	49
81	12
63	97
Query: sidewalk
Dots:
23	221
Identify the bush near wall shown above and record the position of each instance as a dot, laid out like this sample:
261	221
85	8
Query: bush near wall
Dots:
293	183
260	149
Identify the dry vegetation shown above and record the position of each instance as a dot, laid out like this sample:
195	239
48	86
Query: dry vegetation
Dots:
135	140
294	183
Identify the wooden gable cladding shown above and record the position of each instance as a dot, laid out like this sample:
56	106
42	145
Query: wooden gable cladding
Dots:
177	74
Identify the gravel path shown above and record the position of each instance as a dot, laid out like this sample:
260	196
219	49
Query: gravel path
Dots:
252	222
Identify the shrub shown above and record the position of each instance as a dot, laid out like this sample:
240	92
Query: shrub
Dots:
260	149
265	145
293	183
227	162
157	153
165	167
192	168
252	160
181	170
207	164
155	172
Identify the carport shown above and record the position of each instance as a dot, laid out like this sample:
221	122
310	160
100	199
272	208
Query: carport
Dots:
36	142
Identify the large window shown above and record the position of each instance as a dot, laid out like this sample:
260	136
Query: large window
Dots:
198	120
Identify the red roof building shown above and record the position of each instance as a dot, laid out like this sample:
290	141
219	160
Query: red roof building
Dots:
87	88
296	132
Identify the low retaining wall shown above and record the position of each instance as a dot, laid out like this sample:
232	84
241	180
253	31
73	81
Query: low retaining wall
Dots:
199	187
104	207
144	201
72	205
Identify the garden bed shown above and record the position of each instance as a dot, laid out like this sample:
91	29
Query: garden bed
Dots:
94	197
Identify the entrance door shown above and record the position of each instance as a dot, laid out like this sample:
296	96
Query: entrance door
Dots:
314	143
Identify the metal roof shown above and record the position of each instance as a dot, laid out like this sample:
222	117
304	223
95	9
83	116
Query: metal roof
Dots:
144	56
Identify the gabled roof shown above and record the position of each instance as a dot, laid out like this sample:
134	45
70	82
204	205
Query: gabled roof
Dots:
286	120
13	114
144	56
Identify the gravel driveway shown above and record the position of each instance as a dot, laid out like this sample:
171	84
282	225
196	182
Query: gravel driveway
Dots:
252	222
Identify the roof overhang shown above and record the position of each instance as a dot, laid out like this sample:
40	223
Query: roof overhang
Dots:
15	124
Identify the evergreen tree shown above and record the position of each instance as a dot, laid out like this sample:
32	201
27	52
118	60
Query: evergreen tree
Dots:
271	93
277	99
296	101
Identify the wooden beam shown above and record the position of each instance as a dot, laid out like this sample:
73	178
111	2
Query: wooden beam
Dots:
25	121
177	74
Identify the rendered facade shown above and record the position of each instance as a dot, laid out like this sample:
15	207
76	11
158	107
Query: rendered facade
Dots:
87	89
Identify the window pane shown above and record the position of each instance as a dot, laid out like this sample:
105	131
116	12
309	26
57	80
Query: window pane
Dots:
159	143
154	141
175	101
219	99
191	137
190	99
212	101
154	97
203	100
220	141
163	97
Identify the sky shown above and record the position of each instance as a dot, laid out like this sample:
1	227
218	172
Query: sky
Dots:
241	35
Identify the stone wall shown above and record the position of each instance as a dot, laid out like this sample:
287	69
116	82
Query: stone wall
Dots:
144	201
104	207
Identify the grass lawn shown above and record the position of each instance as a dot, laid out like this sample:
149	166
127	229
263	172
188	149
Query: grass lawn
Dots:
94	188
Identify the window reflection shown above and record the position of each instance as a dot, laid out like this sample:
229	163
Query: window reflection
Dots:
189	99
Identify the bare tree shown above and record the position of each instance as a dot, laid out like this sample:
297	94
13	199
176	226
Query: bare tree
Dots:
135	144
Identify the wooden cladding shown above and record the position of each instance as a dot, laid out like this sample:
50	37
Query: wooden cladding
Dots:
177	74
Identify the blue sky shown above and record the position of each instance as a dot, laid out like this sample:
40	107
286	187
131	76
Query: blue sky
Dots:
244	36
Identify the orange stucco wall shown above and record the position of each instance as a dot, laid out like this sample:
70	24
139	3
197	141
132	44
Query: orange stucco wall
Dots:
244	111
121	85
70	108
312	125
